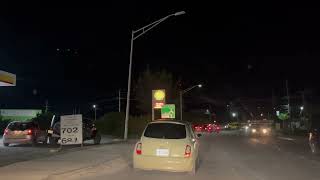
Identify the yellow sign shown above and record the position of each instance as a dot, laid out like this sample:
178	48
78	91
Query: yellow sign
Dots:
7	79
158	98
159	95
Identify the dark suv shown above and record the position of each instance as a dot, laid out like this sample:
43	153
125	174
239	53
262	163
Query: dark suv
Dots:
314	136
89	131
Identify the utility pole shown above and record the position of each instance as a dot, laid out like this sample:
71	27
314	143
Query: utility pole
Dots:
181	105
46	106
288	96
119	100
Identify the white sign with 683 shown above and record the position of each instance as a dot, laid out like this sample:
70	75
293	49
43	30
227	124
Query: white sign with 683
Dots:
71	129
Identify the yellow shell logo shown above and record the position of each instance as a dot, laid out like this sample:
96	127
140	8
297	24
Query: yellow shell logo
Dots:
159	95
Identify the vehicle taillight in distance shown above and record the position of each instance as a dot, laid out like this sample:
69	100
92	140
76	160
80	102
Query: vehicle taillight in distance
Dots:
187	152
139	148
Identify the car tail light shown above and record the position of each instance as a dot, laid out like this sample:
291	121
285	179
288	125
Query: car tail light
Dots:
6	131
187	152
29	132
139	148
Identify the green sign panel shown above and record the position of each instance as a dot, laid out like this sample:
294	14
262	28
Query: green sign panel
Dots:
168	111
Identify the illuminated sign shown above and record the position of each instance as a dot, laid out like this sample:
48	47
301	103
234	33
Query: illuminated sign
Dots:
168	111
158	98
7	79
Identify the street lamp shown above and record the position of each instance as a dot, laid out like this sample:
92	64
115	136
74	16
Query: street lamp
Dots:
140	32
95	111
301	108
183	92
234	114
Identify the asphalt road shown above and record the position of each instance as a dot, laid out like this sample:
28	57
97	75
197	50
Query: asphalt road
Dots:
231	156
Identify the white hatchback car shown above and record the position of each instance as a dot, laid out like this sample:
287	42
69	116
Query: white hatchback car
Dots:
168	146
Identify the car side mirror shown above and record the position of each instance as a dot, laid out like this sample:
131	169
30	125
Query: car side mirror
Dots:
199	135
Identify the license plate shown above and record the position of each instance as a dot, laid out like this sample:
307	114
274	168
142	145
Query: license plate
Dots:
50	132
17	132
162	152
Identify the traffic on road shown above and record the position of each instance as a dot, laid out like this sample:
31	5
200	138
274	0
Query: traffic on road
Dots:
169	149
160	91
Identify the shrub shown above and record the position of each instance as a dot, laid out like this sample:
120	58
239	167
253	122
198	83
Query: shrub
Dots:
111	124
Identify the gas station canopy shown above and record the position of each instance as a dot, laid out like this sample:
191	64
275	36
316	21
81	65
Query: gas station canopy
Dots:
7	79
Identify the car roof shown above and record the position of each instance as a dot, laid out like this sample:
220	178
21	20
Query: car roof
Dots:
21	122
170	121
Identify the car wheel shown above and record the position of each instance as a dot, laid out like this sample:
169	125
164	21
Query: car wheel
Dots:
34	142
6	144
97	139
52	141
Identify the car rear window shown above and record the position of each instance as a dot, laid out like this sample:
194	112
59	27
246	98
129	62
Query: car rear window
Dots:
19	126
165	131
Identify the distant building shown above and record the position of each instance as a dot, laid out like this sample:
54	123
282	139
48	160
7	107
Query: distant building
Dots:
19	114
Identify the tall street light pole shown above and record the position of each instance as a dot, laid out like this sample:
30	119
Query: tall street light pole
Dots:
181	97
95	112
139	33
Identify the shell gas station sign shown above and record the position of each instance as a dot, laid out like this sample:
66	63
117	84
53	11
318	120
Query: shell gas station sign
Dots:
158	98
7	79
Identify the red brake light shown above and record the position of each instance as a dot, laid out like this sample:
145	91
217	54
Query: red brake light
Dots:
29	132
139	148
187	152
6	131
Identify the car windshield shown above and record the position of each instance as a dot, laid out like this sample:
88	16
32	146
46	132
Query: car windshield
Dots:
19	126
165	131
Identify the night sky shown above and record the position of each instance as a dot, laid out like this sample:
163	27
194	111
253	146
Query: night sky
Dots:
78	53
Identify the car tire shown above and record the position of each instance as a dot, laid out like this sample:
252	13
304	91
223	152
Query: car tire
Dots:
52	141
6	144
34	142
97	139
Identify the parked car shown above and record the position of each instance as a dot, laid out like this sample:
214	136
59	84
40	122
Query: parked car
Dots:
89	131
23	133
314	137
167	146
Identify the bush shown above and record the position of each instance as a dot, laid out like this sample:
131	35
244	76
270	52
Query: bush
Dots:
44	120
113	124
137	125
3	125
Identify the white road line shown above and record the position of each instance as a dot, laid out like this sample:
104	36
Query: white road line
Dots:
286	138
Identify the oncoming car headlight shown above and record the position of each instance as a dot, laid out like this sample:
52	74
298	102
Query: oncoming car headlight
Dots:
265	131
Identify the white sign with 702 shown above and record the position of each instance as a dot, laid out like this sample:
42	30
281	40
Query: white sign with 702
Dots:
71	129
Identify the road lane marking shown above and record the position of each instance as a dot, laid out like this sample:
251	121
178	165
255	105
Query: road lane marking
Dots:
286	138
